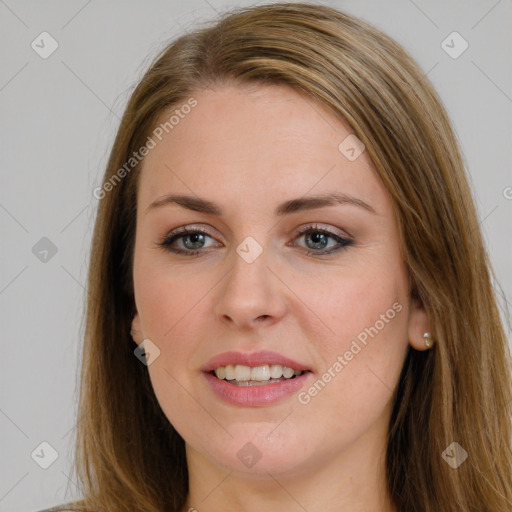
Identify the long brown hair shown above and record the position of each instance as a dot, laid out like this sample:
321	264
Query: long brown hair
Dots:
128	455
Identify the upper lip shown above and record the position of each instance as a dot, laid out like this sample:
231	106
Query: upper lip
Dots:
252	359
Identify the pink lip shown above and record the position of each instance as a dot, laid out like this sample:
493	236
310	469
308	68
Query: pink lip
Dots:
256	396
252	359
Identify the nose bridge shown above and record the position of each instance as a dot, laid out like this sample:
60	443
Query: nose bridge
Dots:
250	289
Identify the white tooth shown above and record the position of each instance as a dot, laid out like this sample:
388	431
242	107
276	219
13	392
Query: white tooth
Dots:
260	372
288	372
276	371
242	372
220	372
230	372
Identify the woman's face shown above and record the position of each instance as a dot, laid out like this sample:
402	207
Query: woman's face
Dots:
274	279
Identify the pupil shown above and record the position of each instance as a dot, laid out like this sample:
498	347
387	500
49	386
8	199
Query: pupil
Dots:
315	237
193	236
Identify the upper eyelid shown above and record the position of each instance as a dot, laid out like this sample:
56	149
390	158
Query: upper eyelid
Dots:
183	230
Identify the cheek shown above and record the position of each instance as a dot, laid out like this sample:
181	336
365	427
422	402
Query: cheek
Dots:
367	319
353	390
170	312
166	302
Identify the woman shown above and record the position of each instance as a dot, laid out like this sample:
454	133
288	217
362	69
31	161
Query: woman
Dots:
289	300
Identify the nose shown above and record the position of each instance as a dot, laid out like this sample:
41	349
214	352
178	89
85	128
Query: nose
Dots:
250	294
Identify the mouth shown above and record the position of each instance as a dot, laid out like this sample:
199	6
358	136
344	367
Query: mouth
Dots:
255	379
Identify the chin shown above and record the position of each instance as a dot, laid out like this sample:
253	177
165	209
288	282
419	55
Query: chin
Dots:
252	456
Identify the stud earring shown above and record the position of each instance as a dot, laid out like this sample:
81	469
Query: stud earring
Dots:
133	332
428	341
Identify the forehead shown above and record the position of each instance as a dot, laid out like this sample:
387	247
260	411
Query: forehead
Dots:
258	142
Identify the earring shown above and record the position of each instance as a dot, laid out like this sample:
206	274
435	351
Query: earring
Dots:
428	341
133	331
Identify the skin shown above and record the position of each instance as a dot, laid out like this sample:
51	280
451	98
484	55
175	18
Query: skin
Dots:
249	149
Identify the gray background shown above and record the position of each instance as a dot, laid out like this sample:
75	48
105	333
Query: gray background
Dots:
59	117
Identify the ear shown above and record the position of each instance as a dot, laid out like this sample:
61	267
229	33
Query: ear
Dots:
136	329
418	324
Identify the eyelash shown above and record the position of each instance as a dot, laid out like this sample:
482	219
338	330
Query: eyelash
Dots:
166	241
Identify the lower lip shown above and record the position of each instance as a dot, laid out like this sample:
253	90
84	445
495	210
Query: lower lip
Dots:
256	396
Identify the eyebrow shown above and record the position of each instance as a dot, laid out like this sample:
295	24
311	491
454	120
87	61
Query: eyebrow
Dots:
198	204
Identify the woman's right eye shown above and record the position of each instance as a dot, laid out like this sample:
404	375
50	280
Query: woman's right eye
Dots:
189	237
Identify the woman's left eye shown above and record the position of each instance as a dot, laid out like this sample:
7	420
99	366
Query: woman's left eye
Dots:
319	238
194	238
